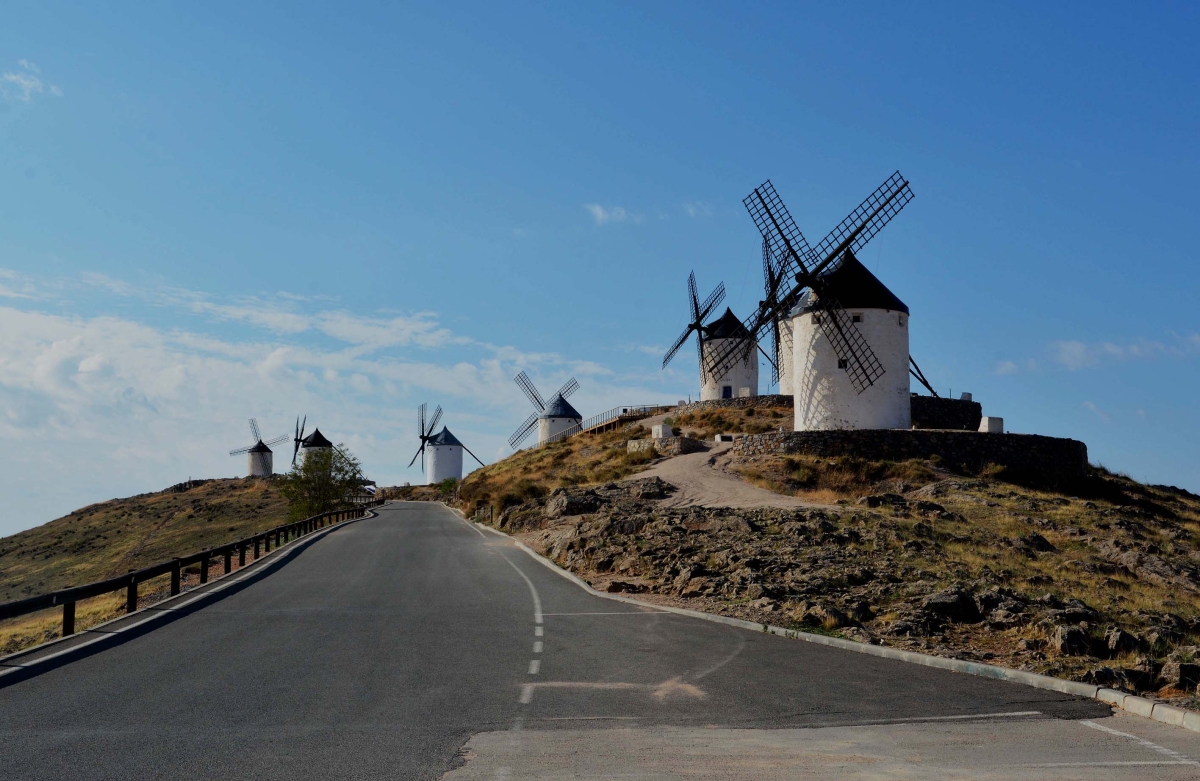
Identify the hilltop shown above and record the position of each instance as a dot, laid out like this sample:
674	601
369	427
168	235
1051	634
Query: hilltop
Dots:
1099	583
106	539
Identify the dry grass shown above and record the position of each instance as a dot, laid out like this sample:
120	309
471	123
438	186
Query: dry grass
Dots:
588	459
707	423
106	539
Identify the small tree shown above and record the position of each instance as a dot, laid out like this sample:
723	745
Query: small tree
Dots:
322	482
447	486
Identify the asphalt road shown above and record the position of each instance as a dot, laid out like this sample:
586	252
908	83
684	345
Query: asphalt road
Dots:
413	644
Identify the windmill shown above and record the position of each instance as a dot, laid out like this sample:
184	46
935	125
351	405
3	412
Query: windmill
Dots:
260	460
551	418
425	431
303	446
446	456
698	313
810	285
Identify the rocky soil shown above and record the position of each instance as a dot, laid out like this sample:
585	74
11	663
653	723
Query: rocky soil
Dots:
1103	589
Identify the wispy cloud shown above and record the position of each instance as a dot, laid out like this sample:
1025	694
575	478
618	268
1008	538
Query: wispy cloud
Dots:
24	83
1076	355
1090	407
695	209
1007	367
603	215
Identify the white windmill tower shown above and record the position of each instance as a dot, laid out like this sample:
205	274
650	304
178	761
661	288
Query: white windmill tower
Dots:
445	451
304	446
552	418
260	461
850	363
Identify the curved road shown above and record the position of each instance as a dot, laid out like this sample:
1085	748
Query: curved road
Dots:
416	646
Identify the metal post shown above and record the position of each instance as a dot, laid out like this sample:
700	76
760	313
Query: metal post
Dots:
175	567
241	554
131	596
228	561
204	568
68	618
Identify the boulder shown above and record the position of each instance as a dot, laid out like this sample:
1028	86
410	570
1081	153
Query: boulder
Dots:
1121	642
954	604
1070	641
1179	675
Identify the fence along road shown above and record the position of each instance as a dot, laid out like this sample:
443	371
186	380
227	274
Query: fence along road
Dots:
380	649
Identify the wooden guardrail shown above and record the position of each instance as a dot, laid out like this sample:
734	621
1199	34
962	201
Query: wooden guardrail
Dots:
260	543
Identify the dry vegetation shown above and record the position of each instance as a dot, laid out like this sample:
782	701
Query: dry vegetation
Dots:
106	539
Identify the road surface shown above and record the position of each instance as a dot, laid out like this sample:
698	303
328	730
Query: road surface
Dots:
416	646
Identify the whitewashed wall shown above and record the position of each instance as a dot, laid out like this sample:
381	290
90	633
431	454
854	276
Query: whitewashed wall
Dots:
824	395
742	375
444	461
548	427
260	464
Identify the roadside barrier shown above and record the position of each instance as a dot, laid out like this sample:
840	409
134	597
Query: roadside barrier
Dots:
259	543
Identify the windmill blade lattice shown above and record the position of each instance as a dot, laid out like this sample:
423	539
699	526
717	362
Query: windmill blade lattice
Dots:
522	431
254	429
526	385
861	225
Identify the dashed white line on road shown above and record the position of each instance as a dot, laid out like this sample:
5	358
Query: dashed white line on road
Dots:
534	666
526	694
537	646
537	631
1175	755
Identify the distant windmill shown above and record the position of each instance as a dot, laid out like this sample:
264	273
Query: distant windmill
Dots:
425	431
698	313
260	461
304	445
551	417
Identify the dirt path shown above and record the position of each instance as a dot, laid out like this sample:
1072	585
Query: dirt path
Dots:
703	480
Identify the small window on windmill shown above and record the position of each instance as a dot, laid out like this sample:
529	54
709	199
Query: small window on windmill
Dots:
901	321
856	318
843	363
727	391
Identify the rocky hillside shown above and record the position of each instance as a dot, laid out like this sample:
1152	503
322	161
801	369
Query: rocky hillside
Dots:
1099	586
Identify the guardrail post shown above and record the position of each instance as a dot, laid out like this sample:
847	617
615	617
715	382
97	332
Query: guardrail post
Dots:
68	618
228	561
175	572
256	549
241	554
204	568
131	595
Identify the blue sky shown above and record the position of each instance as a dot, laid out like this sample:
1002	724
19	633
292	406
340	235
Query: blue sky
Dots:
219	211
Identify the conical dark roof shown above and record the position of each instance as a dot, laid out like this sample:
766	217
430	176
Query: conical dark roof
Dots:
315	439
259	448
444	437
855	288
726	327
561	408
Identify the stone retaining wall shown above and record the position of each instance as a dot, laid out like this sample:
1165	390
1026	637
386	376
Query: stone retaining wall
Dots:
746	401
666	446
1028	458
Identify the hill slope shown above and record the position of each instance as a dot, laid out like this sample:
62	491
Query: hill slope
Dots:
109	538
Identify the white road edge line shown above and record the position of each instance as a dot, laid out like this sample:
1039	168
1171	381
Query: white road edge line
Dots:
537	601
1131	704
1175	755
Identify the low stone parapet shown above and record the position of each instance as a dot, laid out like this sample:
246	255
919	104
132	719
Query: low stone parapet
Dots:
739	403
666	446
1051	461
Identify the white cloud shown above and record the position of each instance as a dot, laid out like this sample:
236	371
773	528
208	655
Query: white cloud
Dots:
1007	367
604	215
1089	406
697	209
1075	355
23	83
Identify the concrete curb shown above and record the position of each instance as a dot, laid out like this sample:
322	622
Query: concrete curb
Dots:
9	664
1130	703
